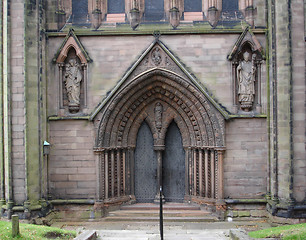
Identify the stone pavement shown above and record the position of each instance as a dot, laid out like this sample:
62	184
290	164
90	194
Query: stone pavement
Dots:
172	231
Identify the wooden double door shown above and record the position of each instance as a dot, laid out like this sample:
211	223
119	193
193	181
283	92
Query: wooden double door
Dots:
172	164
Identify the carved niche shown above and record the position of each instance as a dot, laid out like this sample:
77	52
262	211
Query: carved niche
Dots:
246	58
72	61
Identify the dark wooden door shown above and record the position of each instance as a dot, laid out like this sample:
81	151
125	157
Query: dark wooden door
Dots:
174	166
145	166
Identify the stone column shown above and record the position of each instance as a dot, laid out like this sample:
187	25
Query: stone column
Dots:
159	154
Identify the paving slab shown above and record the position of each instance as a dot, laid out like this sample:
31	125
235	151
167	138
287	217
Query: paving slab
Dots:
172	230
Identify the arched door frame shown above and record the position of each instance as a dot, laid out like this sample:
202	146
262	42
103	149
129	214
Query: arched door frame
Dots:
159	96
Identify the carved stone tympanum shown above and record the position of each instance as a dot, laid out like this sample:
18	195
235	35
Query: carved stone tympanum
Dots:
246	81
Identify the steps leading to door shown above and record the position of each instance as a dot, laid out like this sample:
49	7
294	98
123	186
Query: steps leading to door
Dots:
171	213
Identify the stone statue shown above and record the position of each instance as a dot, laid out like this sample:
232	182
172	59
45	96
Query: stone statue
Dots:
158	115
73	78
246	81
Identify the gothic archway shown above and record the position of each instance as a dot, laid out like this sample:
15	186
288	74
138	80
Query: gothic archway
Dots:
160	97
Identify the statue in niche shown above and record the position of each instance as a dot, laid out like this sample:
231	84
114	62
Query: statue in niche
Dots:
158	115
73	78
246	81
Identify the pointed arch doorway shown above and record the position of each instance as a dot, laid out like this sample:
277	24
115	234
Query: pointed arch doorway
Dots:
186	143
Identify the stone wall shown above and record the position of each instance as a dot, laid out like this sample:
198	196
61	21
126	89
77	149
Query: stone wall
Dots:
245	163
204	55
72	165
299	98
18	106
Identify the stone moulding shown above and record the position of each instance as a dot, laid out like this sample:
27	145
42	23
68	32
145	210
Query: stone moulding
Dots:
71	40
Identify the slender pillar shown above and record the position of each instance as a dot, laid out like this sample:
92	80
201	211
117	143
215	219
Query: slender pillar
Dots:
132	167
60	85
159	154
212	173
195	161
112	173
234	87
123	171
106	175
258	106
201	171
190	170
187	172
85	83
2	189
220	193
7	145
206	173
118	172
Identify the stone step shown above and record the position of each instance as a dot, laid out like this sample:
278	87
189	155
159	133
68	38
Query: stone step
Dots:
172	212
175	213
156	219
167	206
168	234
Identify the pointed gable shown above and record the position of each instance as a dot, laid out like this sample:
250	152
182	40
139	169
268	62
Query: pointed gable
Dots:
71	41
158	57
246	37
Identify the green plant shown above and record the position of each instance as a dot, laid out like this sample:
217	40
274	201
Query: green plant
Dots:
34	232
287	232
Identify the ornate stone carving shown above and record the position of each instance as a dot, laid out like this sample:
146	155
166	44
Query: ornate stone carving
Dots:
72	61
73	78
246	57
246	81
199	122
158	116
156	56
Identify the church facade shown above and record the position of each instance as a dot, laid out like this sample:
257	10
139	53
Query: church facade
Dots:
103	103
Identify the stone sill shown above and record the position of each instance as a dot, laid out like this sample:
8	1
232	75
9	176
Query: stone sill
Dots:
149	29
245	201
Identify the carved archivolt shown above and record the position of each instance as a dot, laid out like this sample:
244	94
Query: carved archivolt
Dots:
156	95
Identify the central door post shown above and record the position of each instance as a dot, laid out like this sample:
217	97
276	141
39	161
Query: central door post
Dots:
159	155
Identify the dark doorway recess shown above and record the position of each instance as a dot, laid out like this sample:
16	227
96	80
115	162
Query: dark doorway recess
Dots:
79	11
174	166
115	6
145	166
193	5
154	10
